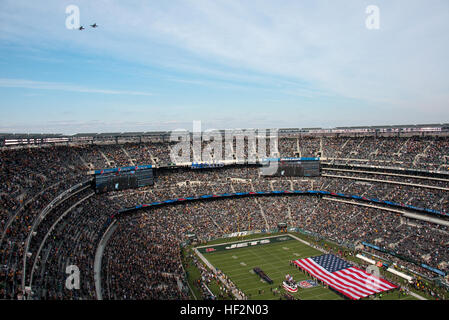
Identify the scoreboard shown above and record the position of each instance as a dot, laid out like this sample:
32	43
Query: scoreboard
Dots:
291	167
123	179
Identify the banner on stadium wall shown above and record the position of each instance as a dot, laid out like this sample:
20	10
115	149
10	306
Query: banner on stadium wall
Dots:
290	159
433	269
206	165
372	246
238	234
119	169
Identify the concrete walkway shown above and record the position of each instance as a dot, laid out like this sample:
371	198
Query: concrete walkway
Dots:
99	256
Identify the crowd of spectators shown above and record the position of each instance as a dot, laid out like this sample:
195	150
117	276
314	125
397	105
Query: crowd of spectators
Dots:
33	177
413	152
340	222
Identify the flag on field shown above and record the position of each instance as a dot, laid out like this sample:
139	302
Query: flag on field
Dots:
350	281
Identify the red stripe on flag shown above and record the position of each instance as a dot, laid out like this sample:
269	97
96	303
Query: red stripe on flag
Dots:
304	265
351	282
336	280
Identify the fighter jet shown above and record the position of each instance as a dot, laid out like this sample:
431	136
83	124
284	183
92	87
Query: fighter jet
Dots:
81	28
94	25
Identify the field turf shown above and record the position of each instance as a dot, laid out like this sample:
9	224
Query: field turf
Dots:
273	259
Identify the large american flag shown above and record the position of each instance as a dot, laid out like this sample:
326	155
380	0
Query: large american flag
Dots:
350	281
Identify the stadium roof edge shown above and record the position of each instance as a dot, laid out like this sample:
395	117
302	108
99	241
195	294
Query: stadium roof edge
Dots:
108	134
164	133
132	133
84	134
429	125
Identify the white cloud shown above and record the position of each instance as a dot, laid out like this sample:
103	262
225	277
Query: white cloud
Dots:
403	64
312	48
42	85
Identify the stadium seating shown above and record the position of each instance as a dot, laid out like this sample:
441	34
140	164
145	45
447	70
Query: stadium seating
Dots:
141	260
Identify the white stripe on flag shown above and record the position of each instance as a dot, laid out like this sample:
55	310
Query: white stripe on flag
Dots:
352	282
305	265
357	288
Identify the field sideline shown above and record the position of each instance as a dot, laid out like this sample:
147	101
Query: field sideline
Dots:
273	258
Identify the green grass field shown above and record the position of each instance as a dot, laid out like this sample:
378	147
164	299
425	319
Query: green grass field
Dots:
273	259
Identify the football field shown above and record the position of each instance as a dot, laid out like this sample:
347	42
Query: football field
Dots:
273	258
272	255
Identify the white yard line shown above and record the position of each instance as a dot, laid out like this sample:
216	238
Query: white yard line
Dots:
416	295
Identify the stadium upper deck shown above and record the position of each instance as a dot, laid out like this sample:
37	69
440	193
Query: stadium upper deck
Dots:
15	139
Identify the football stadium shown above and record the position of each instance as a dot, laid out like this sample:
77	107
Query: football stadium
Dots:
138	226
208	158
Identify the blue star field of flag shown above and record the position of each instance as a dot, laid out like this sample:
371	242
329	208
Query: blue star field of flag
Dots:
331	263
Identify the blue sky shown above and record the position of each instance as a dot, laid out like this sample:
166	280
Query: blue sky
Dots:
159	65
